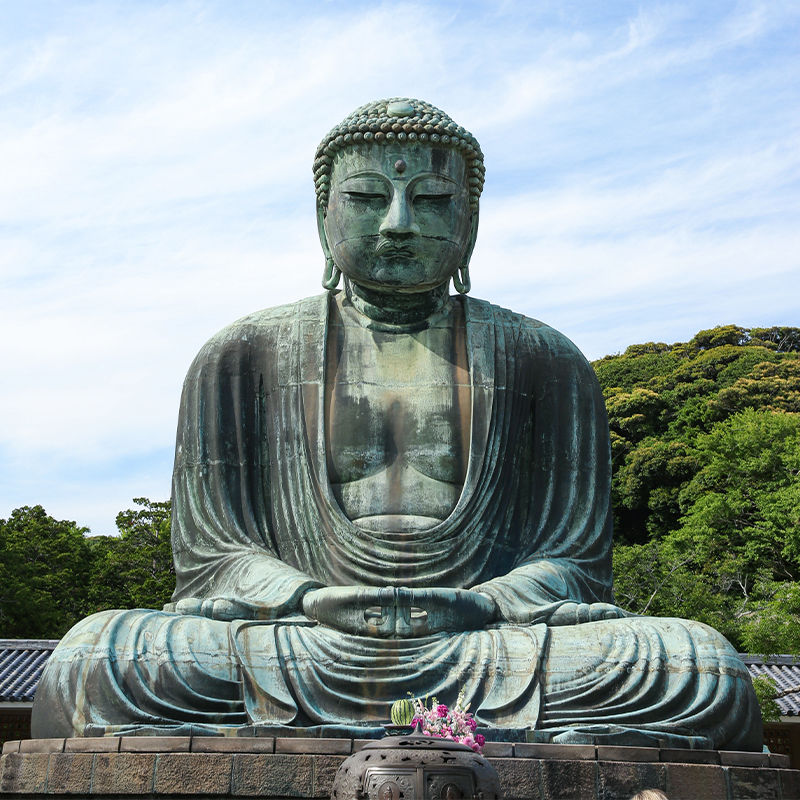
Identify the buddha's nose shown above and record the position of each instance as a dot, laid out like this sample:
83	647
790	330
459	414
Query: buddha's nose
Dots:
399	221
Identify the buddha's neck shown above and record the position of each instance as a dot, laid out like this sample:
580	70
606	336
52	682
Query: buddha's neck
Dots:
396	311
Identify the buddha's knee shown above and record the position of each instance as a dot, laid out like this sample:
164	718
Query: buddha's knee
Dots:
89	634
706	644
58	692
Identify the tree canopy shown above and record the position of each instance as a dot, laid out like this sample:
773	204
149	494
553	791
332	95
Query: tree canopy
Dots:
52	574
706	489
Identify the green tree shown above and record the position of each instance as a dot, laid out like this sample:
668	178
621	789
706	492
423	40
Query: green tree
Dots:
767	692
734	558
660	398
45	567
743	505
705	486
135	569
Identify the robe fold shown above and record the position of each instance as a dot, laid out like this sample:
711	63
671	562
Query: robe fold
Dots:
255	518
255	525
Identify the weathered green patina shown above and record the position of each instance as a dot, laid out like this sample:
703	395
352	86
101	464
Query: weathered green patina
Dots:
387	489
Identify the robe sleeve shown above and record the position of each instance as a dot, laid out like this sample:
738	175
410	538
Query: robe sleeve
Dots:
564	547
222	540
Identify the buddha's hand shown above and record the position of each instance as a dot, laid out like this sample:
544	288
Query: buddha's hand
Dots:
221	608
578	613
391	612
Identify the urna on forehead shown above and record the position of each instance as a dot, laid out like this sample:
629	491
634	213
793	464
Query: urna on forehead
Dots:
400	161
400	121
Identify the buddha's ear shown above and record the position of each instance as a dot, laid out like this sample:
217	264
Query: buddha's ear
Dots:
461	279
330	278
473	236
323	234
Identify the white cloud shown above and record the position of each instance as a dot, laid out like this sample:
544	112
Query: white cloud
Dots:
155	162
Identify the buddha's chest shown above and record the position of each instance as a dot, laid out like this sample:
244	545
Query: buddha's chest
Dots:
397	403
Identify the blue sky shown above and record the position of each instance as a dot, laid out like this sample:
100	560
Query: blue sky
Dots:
643	182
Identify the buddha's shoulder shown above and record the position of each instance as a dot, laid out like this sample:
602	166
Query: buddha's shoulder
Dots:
266	327
528	336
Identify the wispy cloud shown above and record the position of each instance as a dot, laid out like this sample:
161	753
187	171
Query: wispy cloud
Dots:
155	160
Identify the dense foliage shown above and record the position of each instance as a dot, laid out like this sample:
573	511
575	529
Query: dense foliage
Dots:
52	575
705	440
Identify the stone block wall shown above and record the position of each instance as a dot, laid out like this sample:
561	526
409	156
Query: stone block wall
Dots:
150	768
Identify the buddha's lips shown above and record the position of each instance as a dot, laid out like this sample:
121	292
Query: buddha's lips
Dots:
388	248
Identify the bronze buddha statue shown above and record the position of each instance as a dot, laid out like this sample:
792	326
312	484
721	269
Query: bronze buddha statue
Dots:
387	489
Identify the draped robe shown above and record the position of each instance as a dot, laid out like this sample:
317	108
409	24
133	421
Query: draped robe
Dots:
255	521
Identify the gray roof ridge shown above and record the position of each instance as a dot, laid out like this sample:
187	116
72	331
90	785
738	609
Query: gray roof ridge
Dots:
28	644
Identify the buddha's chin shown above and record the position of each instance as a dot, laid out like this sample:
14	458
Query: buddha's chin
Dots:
401	275
398	272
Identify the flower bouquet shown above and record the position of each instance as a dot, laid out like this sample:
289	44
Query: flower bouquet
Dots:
456	723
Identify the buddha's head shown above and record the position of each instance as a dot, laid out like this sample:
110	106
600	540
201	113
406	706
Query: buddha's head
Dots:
398	184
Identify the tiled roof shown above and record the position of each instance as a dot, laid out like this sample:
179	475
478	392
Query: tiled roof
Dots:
785	671
22	661
21	664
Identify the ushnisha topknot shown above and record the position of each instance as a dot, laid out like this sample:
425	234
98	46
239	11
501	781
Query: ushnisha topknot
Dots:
398	119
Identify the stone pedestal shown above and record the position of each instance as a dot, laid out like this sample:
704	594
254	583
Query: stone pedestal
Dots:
212	768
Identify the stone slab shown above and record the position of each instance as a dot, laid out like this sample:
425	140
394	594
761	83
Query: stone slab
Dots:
193	773
226	767
619	780
123	773
359	744
572	752
92	744
154	744
498	750
685	756
232	744
325	769
567	780
310	746
739	758
519	778
790	783
752	783
779	760
619	753
278	775
24	773
343	746
41	746
70	773
695	780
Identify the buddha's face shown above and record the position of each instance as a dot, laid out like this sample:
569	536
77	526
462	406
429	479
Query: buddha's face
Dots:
398	218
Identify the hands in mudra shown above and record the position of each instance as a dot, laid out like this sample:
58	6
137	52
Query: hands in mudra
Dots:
392	612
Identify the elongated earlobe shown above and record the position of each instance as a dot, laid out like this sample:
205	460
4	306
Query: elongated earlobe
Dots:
461	280
330	278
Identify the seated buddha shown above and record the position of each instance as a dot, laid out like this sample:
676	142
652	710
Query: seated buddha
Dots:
388	489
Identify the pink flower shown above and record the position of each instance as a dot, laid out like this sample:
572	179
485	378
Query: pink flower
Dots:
472	724
441	710
480	740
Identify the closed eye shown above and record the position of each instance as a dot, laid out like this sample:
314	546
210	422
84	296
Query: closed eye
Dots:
365	195
432	203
